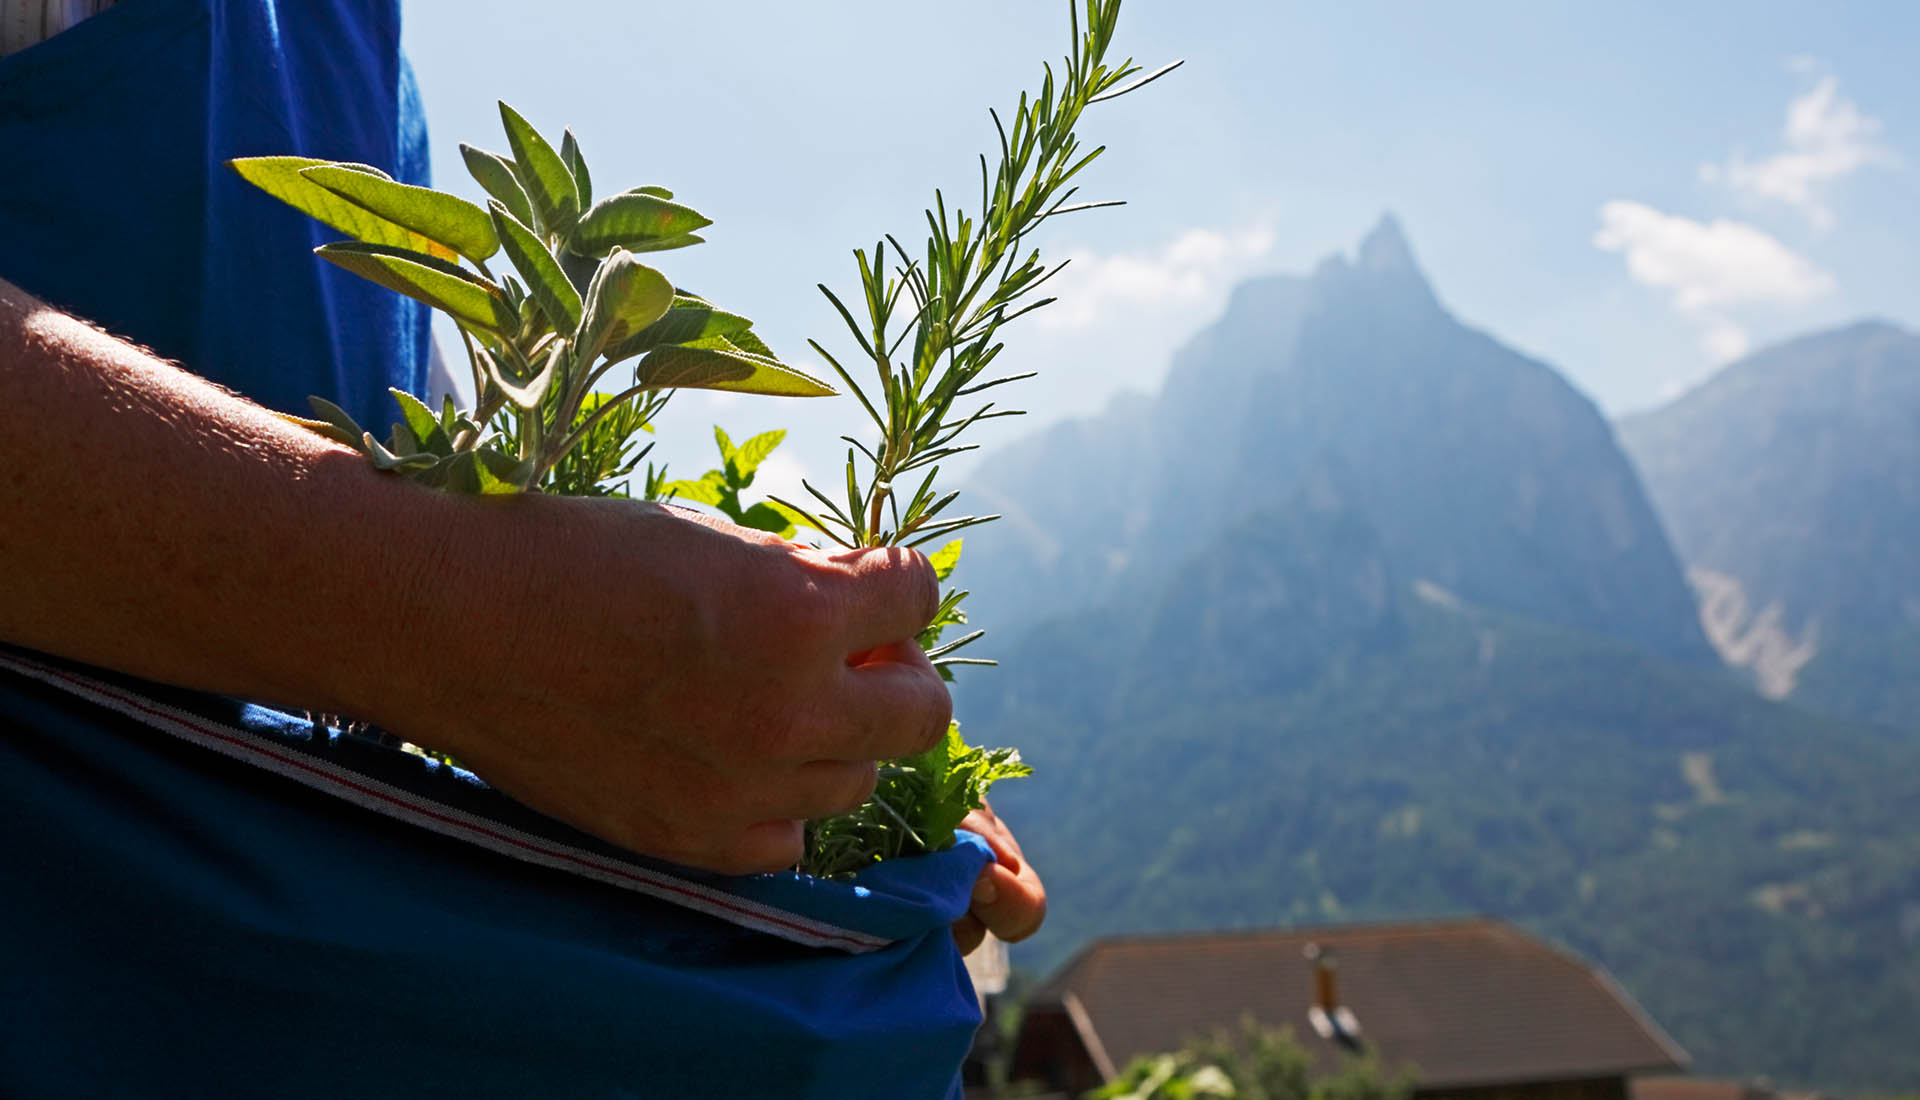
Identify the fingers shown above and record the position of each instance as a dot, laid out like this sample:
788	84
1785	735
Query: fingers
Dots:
968	933
1011	906
1008	897
893	596
892	703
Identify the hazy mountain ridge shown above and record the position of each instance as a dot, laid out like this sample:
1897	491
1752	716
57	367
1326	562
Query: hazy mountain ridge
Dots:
1483	470
1790	483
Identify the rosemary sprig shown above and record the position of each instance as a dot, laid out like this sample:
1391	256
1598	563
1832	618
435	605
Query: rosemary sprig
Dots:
928	328
976	275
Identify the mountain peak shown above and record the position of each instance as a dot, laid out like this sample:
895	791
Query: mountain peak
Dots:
1385	249
1382	270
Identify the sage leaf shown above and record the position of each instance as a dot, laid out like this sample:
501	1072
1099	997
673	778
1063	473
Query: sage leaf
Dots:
576	164
549	285
323	428
746	341
494	173
501	473
446	219
428	431
385	459
336	418
688	319
445	286
281	177
705	366
625	298
664	244
550	187
528	394
631	220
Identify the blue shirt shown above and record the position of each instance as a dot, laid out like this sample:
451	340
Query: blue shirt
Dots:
205	898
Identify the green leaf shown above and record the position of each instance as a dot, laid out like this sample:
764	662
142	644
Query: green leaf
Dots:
483	471
545	281
794	516
428	433
705	366
687	320
725	442
334	423
576	164
755	451
708	490
322	428
626	297
631	220
385	459
656	192
765	517
494	173
944	559
446	219
550	187
528	394
444	286
501	473
666	244
746	341
281	177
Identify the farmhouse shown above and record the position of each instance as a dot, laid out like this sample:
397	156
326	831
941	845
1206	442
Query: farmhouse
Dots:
1479	1009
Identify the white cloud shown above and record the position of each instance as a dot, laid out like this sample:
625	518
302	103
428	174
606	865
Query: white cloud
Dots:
1195	268
780	476
1707	264
1709	268
1722	340
1826	139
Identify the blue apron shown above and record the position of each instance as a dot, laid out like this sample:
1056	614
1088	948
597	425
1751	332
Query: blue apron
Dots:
205	898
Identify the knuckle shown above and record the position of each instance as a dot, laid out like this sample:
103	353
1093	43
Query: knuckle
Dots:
779	728
919	585
938	716
856	787
929	585
801	606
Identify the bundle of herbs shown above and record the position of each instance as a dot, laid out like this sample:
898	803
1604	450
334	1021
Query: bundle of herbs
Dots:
542	338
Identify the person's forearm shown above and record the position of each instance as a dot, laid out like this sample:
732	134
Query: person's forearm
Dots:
686	689
157	525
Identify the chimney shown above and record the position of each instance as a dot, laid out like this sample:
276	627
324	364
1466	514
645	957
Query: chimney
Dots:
1331	1019
1326	978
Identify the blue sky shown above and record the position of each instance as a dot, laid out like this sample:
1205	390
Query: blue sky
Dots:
1633	192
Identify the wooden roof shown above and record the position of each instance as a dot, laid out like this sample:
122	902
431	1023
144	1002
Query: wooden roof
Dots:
1699	1088
1466	1002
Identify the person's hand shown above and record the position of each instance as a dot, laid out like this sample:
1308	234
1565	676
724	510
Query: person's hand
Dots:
680	686
1008	899
683	688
